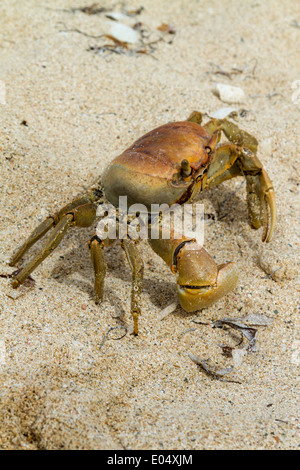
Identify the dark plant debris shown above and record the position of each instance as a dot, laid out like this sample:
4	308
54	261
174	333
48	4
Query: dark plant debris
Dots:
111	329
217	70
93	9
147	45
97	9
148	39
236	353
135	12
248	332
167	28
249	73
211	370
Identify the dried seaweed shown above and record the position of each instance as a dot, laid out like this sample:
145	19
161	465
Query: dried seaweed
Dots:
93	9
255	319
111	329
97	9
145	46
249	333
212	371
219	71
146	42
237	354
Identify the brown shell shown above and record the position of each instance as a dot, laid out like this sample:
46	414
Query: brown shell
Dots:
145	171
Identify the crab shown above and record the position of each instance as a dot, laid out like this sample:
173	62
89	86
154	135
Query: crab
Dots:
171	164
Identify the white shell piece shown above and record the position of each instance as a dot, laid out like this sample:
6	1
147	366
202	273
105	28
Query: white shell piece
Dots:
124	33
222	113
230	94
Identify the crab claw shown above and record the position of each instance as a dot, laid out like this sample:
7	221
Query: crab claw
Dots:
200	281
261	196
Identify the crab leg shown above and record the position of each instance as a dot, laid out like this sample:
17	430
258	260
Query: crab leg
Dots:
137	268
50	222
260	195
38	233
96	246
233	133
82	216
240	158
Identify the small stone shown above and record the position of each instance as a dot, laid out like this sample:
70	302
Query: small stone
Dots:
278	267
230	94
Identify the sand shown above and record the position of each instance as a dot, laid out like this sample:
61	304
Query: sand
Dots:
68	112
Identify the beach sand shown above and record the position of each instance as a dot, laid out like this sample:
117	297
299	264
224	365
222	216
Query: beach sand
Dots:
69	109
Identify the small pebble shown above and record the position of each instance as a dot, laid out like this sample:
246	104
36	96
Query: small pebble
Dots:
230	94
278	267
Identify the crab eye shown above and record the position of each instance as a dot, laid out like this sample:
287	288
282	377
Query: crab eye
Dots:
208	149
185	168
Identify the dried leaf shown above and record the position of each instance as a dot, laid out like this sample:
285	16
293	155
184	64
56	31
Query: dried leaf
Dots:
116	41
211	370
249	333
227	350
256	319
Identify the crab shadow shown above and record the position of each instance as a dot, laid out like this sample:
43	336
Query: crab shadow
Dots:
74	267
76	270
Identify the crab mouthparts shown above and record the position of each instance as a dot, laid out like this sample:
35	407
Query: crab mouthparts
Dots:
196	287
